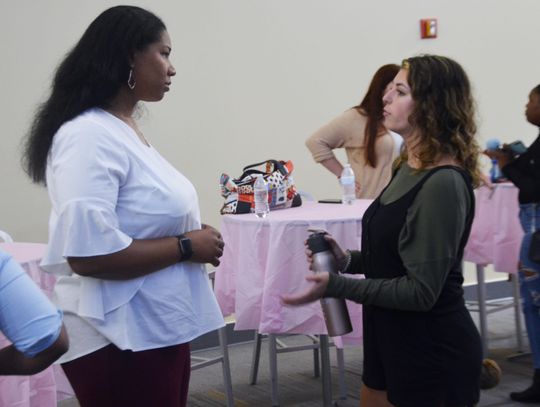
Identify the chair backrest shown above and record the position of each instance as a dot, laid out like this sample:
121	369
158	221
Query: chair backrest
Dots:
5	237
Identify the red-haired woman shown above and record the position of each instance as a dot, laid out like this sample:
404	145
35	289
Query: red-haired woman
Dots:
370	147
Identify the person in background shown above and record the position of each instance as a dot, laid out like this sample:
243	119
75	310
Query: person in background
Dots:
421	346
371	148
125	237
29	320
524	172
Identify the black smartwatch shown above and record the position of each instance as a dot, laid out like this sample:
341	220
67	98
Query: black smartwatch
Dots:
184	244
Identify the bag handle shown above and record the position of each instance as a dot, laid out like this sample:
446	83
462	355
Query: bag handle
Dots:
248	169
277	164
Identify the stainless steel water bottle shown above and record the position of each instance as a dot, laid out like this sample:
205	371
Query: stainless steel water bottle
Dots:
335	310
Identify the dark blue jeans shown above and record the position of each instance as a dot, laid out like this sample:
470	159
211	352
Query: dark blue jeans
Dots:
529	279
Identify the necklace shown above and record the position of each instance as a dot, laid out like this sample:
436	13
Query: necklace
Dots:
132	124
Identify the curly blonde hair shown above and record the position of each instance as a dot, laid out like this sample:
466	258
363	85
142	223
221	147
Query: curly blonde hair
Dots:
444	112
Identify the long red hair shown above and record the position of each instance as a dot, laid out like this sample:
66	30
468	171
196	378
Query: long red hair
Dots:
372	107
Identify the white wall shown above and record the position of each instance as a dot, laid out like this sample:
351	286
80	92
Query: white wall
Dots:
256	77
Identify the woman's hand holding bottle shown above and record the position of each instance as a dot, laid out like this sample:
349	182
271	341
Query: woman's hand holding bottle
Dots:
338	252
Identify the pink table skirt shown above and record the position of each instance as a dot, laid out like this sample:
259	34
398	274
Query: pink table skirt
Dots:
48	387
264	258
496	233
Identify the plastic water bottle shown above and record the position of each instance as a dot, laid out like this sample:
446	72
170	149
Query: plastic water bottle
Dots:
260	192
494	171
348	186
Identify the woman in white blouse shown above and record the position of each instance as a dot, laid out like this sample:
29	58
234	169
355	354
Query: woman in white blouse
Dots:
125	235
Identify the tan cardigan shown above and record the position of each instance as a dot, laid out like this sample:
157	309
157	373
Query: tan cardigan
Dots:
347	131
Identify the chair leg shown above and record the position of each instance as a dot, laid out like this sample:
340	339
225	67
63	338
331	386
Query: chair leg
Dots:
325	371
227	381
341	373
255	359
272	353
316	366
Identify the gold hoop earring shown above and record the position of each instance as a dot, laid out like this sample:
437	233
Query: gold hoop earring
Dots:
131	80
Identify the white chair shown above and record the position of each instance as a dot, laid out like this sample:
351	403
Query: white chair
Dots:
198	362
5	237
485	307
276	346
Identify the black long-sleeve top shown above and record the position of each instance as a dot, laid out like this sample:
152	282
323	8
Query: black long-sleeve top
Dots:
524	172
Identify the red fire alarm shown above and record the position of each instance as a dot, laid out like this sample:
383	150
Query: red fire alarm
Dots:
428	28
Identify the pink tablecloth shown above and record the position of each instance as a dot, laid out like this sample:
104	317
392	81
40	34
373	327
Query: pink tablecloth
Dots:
264	258
49	386
496	233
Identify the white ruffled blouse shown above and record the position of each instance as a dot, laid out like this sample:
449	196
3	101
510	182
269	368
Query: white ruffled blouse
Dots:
107	188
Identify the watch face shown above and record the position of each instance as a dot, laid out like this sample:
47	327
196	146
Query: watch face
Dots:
187	251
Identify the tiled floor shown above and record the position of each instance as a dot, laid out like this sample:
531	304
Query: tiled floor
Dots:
298	387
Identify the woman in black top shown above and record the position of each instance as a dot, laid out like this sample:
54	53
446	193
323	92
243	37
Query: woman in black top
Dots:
524	172
421	347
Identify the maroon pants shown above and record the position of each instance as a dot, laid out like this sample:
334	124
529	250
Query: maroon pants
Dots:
113	377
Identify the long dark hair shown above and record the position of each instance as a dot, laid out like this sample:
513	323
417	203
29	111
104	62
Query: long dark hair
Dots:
372	107
90	75
444	111
534	119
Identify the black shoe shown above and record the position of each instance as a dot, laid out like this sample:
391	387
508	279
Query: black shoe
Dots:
491	374
530	395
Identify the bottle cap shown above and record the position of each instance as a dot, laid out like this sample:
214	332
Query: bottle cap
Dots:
317	243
